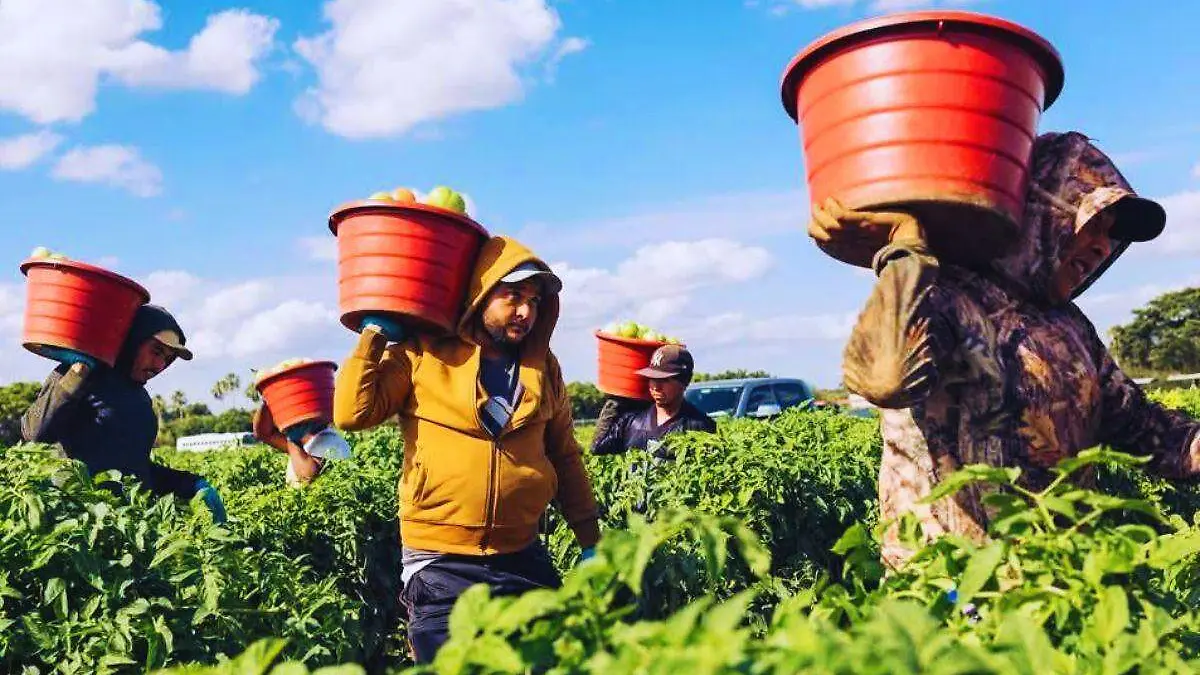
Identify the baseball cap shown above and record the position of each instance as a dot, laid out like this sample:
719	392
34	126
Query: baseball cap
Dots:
550	281
175	341
1134	218
669	361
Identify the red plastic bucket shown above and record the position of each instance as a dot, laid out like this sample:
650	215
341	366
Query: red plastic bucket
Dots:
934	112
298	394
409	259
74	305
620	359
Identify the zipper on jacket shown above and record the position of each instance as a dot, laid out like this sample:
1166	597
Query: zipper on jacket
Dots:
489	522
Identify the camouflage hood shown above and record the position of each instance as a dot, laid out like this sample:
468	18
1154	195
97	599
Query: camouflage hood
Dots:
1071	181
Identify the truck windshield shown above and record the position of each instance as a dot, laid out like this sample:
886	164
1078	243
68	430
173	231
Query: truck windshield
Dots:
713	400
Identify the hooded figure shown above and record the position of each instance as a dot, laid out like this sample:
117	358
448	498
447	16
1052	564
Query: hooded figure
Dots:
488	439
104	416
997	366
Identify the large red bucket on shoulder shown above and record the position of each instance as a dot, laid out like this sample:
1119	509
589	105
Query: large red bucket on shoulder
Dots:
302	393
933	112
411	260
74	305
619	360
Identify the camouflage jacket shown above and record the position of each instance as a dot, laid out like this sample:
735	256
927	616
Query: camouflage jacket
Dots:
982	367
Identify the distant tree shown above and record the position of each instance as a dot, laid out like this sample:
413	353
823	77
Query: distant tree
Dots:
1164	336
15	399
226	386
178	404
586	400
251	392
730	375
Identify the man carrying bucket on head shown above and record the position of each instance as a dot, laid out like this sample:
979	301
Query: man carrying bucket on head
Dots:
103	416
488	437
625	424
997	365
308	445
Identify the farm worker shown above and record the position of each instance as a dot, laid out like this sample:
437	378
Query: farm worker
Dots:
625	424
999	366
488	439
103	416
307	445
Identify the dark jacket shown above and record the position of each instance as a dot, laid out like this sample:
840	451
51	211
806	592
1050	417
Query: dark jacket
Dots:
633	425
105	419
983	367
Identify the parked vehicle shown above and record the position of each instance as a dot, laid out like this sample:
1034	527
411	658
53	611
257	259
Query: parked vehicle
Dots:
750	397
203	442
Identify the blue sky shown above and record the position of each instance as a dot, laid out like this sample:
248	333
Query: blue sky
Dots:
200	146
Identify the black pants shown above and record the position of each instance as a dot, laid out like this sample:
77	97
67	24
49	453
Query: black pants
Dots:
430	594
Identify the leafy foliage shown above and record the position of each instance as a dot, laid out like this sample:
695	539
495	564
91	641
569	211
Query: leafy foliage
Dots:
1164	336
754	551
738	374
15	399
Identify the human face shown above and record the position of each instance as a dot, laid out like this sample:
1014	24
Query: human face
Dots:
510	312
152	358
1088	249
667	393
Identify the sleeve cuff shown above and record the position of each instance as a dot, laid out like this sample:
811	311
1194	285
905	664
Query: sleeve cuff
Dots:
587	532
901	249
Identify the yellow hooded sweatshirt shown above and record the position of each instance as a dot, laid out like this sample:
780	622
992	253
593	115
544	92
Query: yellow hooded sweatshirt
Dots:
461	490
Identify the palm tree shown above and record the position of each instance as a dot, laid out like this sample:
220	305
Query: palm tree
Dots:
179	403
252	392
226	385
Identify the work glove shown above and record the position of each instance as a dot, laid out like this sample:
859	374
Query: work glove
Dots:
609	412
587	554
212	500
840	230
391	328
69	357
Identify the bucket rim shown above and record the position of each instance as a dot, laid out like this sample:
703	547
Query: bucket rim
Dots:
1041	49
261	384
89	268
360	206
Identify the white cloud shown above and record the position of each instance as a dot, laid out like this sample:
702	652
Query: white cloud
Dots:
1196	170
224	56
569	46
1182	234
20	152
737	327
749	214
319	248
54	53
384	67
119	166
656	282
170	287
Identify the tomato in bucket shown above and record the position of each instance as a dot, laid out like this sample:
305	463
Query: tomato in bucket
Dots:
934	112
74	305
408	259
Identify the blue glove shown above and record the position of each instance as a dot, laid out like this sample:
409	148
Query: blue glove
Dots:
68	357
297	432
392	329
587	554
212	500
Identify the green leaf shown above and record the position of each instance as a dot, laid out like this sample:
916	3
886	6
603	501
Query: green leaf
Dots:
468	616
975	473
1110	617
979	571
169	551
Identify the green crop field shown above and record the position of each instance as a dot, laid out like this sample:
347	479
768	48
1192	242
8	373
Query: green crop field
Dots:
754	552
